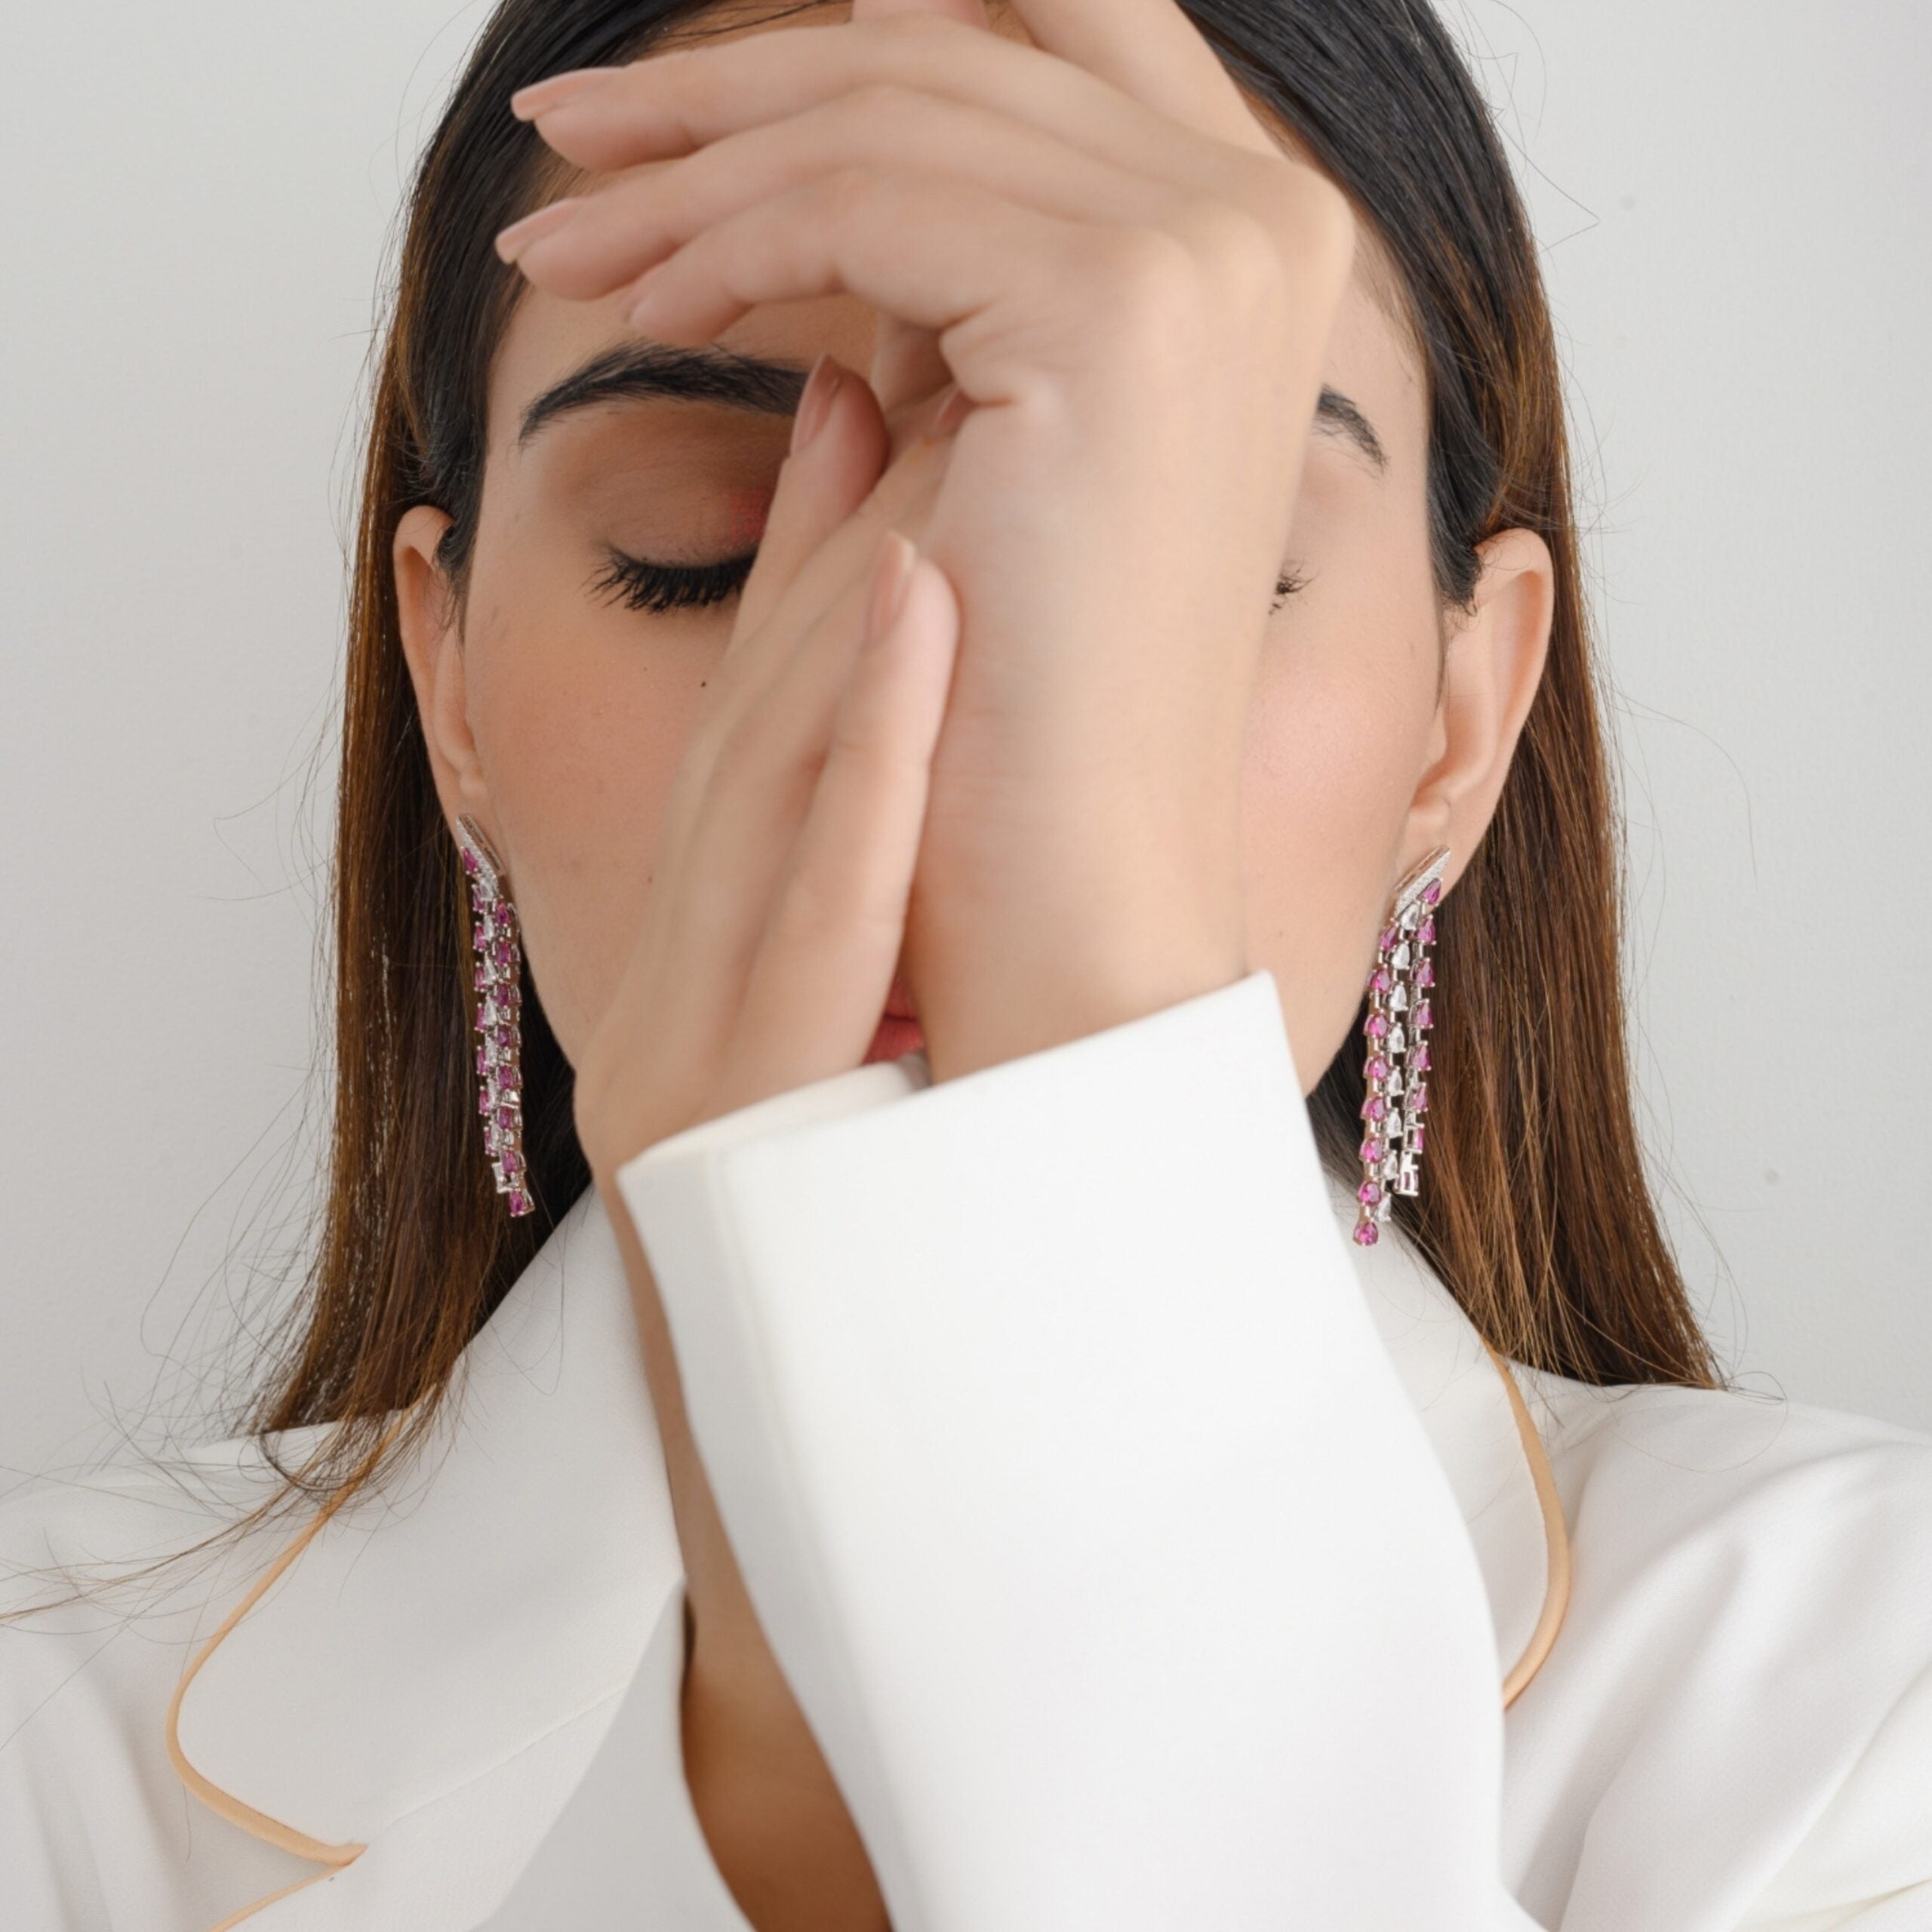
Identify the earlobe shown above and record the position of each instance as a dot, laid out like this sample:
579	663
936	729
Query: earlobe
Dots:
1493	666
431	644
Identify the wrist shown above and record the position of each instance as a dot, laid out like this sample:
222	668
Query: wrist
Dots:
999	993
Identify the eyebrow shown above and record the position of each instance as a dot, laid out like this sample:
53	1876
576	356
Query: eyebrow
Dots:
704	373
707	373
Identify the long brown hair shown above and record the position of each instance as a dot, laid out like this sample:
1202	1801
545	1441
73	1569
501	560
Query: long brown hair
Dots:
1536	1211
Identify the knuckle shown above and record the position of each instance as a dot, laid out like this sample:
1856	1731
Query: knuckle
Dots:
847	192
878	103
1241	252
740	756
1153	283
863	750
1313	215
814	909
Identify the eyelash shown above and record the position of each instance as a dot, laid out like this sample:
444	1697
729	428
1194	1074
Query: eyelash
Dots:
644	586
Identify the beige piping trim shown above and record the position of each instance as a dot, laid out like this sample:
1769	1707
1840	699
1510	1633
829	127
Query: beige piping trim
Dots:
1556	1540
258	1824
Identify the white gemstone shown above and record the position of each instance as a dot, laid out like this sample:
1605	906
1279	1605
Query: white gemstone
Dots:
1398	1040
1398	998
1401	957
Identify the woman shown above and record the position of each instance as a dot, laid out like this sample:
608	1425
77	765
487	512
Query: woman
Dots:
747	1461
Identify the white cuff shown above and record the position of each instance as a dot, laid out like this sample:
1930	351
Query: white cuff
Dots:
1080	1503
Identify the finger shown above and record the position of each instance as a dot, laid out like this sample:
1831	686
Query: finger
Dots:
906	360
820	486
945	255
1154	54
739	797
669	105
614	234
819	981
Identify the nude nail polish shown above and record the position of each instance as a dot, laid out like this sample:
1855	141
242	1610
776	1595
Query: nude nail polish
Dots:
541	96
512	241
814	401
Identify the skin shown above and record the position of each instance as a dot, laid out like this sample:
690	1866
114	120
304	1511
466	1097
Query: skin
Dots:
1011	863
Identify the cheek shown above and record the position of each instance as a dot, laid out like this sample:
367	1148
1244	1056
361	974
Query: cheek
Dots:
580	724
1338	738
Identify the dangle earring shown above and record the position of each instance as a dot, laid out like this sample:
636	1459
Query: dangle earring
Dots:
499	1000
1396	1030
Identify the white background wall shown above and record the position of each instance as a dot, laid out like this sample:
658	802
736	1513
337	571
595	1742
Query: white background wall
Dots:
1734	207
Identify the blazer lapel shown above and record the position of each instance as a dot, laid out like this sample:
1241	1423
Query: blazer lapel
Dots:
480	1616
1439	1355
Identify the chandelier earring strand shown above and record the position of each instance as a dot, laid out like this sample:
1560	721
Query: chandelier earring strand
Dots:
1401	1011
499	981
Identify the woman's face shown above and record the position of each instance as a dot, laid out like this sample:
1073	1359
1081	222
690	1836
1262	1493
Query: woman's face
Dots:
558	715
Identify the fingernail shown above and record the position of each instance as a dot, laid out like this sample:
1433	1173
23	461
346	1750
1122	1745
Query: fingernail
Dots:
540	96
512	241
953	411
889	581
814	401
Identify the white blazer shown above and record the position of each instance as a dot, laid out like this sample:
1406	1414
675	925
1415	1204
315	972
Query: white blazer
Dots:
1144	1556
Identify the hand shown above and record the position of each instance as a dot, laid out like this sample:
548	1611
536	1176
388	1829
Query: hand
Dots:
773	926
1133	287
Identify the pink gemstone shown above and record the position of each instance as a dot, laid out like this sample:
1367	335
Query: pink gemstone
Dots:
1390	940
1376	1069
502	953
1372	1151
1375	1107
1418	1098
1415	1140
519	1202
1425	1016
1419	1059
482	1060
512	1161
505	1118
1425	974
482	975
1379	981
1366	1234
1369	1193
468	859
1377	1027
483	1099
1427	935
1432	892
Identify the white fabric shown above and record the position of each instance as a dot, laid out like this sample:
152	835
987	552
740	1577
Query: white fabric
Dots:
1143	1554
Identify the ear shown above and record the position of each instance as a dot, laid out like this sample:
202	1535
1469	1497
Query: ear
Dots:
427	613
1494	663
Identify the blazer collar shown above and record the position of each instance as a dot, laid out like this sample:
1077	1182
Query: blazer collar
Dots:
500	1597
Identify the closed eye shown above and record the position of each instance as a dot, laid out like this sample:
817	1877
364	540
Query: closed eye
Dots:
644	585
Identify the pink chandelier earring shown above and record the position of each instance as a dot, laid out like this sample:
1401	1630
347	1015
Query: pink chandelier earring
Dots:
499	1002
1400	1014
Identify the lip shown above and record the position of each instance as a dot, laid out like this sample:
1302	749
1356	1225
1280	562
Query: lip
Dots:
895	1034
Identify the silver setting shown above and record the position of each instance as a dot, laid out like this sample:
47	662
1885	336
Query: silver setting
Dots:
497	977
1395	1065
